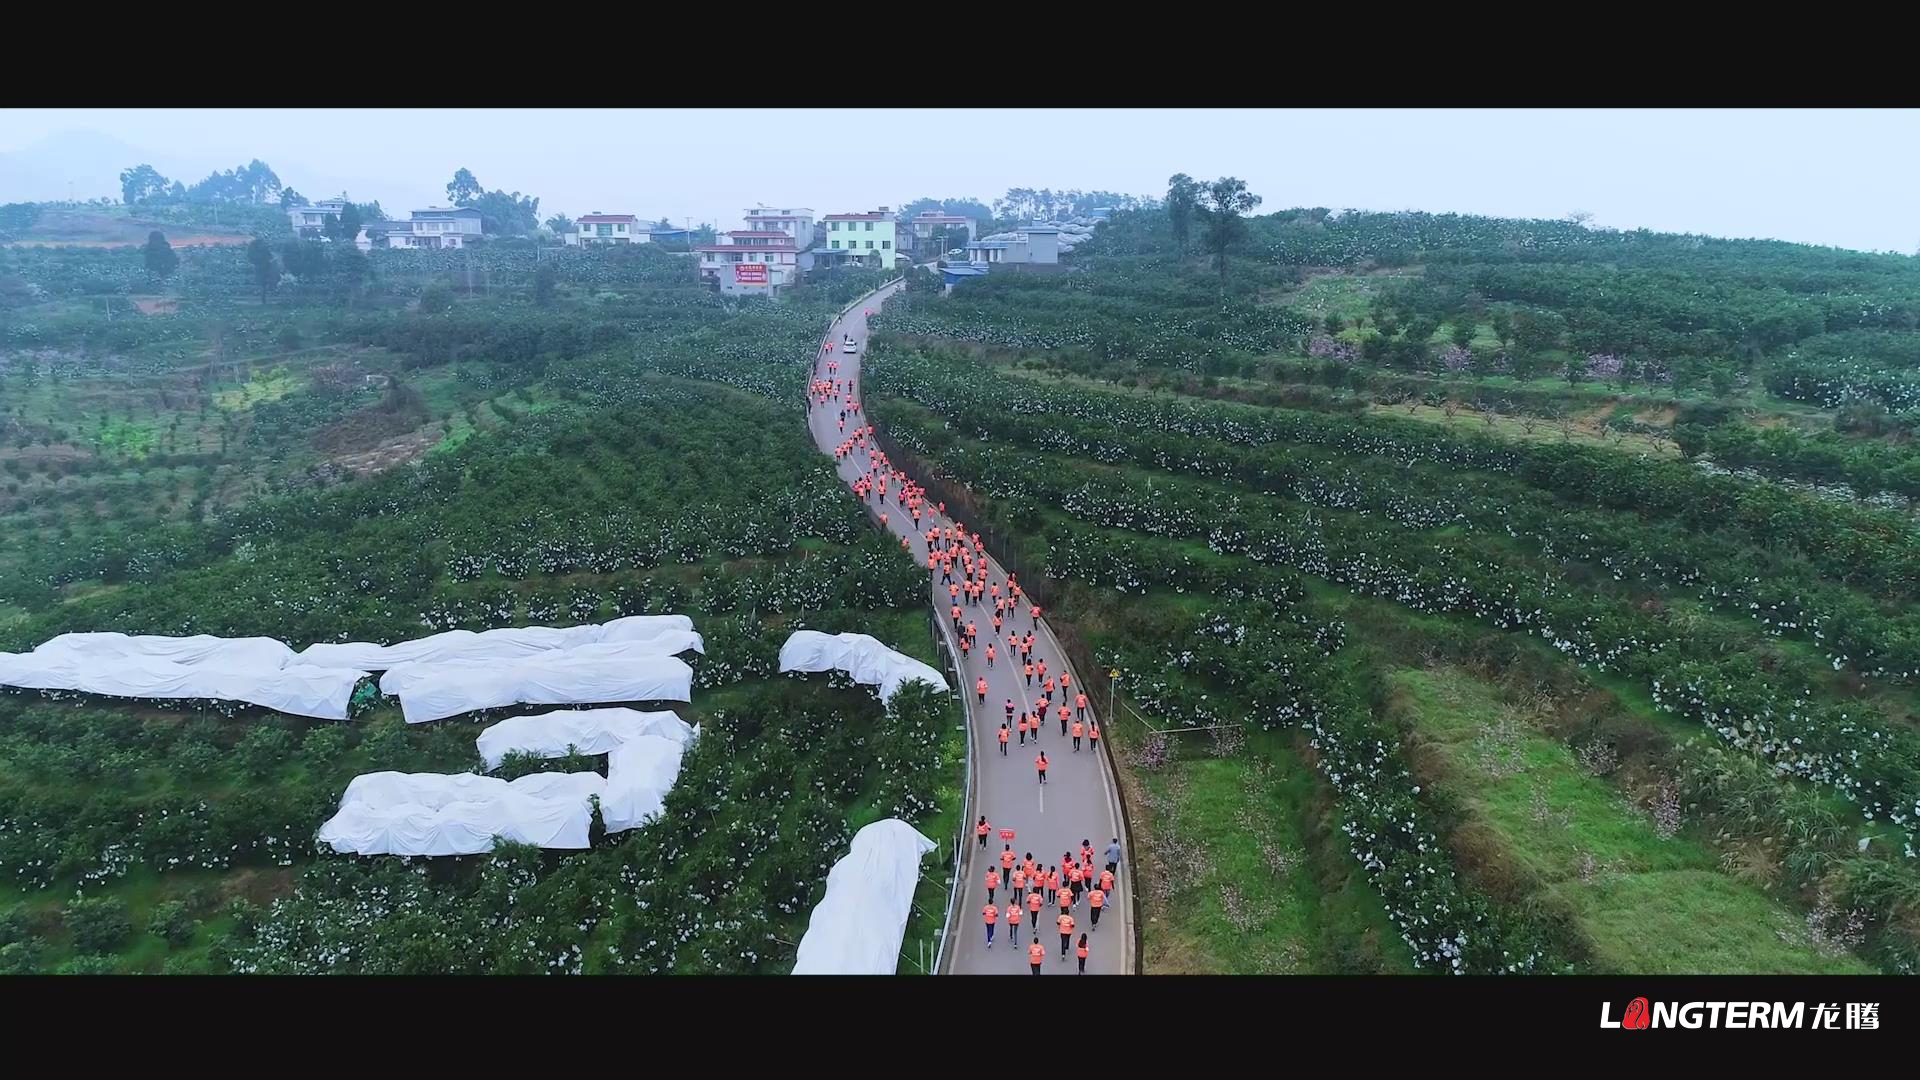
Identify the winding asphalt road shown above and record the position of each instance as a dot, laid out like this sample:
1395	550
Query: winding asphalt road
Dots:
1079	800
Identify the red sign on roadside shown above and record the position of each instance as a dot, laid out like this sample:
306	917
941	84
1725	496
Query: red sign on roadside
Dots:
1006	834
750	273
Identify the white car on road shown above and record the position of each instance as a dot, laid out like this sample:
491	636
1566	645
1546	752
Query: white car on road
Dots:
849	347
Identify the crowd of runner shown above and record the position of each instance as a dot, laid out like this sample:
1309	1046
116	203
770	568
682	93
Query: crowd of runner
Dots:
978	600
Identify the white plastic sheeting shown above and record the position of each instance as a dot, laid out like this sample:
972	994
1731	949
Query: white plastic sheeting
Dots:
858	927
547	679
860	655
457	671
506	643
244	654
403	677
588	731
640	772
390	813
301	691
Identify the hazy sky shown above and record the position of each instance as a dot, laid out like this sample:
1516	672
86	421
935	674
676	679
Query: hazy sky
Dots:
1845	177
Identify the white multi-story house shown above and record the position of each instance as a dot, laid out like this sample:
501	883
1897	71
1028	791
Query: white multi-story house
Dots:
797	223
762	258
921	229
311	219
439	227
599	228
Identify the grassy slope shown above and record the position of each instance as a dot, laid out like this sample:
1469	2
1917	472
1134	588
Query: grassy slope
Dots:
1243	869
1653	906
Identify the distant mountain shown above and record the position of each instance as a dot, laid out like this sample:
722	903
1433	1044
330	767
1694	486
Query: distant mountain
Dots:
83	165
87	164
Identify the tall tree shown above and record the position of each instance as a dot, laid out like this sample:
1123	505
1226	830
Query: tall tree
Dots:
343	227
462	190
503	214
1224	202
140	183
160	257
560	225
290	198
261	256
1183	198
262	186
350	269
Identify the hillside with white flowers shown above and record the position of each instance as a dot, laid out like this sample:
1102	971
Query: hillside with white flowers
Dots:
1486	596
385	458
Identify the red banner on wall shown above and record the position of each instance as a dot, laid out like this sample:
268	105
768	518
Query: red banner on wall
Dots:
750	273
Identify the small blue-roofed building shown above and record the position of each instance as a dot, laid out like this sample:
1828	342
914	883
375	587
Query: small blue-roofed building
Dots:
955	273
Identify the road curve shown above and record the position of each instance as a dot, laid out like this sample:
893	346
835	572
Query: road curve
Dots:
1079	800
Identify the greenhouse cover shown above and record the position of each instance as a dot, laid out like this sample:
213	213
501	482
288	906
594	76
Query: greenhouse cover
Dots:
322	693
390	813
858	927
860	655
586	731
506	643
403	677
552	678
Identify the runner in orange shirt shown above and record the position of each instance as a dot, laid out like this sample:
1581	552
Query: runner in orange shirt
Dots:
993	882
982	829
1029	670
1013	920
1082	950
980	688
1065	922
992	914
1004	735
1036	616
1035	954
1080	703
1041	764
989	654
1023	729
1093	731
1096	899
1034	904
1079	729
